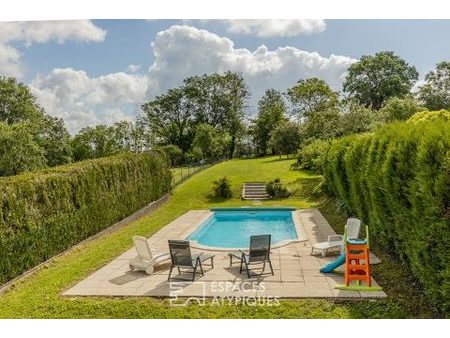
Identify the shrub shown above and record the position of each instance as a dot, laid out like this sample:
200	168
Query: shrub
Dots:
397	180
222	188
399	109
441	115
312	155
276	189
46	212
194	155
174	154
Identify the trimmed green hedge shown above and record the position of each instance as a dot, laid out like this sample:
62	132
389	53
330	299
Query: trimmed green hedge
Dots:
397	180
45	212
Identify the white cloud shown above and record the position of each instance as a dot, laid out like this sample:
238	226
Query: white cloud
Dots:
275	28
30	32
182	51
10	61
83	101
179	51
133	68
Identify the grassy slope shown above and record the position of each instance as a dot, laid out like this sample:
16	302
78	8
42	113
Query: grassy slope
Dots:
39	295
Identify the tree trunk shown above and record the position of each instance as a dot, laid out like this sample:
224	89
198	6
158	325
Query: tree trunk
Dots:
232	146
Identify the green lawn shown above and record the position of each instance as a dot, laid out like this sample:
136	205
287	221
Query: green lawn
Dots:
39	295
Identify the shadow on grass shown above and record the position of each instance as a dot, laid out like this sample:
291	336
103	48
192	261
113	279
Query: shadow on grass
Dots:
213	199
279	159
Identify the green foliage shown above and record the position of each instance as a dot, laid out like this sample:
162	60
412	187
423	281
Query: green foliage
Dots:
215	99
19	151
399	109
435	93
45	212
17	104
285	138
34	139
349	117
277	189
311	95
194	155
356	118
222	188
312	156
174	154
53	137
440	115
322	125
397	180
107	140
271	110
209	141
374	79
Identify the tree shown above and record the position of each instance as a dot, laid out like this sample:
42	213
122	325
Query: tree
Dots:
311	95
285	138
322	125
140	137
51	134
170	118
208	141
435	93
214	99
19	151
356	118
374	79
174	154
195	154
271	110
219	100
399	109
17	104
102	140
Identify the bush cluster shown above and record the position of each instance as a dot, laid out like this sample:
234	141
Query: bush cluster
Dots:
45	212
439	115
277	189
222	188
397	180
311	156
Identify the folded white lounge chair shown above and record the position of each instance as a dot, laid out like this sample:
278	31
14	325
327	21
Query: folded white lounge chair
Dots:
337	241
147	259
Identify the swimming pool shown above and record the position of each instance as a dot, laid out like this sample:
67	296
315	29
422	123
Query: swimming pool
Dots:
232	228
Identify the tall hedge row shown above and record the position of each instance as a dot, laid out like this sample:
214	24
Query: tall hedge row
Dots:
397	180
43	213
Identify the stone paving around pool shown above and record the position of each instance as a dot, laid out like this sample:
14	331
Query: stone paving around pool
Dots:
296	271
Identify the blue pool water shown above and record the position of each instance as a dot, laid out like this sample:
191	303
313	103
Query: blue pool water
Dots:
233	228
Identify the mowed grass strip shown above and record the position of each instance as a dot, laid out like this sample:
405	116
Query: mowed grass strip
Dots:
39	296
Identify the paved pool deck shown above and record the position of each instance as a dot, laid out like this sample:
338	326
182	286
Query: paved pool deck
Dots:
296	271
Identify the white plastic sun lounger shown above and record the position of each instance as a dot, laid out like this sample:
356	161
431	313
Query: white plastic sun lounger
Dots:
337	241
147	259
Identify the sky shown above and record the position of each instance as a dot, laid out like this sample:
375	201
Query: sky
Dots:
100	71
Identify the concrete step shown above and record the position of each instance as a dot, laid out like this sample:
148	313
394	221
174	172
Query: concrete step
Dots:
256	198
255	191
256	195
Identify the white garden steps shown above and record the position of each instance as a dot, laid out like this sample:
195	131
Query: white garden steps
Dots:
255	191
